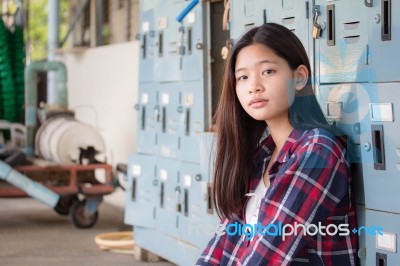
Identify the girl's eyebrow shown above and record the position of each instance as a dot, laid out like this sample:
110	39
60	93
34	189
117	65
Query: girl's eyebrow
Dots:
258	63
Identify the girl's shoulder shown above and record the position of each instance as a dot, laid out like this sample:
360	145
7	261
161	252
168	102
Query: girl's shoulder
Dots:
318	137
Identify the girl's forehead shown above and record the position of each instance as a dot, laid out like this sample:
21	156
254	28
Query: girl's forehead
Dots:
256	54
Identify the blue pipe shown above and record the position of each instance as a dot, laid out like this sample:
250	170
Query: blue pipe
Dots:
187	9
32	188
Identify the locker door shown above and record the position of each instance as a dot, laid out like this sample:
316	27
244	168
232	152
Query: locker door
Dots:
196	224
167	127
148	118
380	147
244	15
194	42
167	63
141	193
147	47
384	40
167	207
192	117
292	14
382	249
342	105
341	51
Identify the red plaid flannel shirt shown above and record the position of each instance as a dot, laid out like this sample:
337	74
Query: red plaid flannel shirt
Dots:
310	183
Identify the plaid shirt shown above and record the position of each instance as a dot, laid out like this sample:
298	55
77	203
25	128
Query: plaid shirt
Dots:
310	184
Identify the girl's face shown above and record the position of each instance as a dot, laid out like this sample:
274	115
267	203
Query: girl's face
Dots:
264	83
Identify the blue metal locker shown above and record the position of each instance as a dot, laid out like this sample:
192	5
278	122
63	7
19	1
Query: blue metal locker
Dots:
380	149
295	15
167	127
192	119
341	52
168	206
381	249
197	225
147	45
141	193
246	14
384	40
167	63
148	118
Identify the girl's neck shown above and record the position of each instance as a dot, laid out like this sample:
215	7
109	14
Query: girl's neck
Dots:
280	131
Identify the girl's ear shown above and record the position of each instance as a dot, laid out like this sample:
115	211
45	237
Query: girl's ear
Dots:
301	77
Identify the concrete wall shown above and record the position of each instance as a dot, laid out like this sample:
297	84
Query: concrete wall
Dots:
102	89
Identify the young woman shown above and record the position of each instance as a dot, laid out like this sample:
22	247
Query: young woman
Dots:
284	199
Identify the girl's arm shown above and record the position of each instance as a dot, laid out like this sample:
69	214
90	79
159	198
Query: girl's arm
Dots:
212	254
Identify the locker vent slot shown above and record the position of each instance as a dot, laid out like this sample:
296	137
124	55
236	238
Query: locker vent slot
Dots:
249	26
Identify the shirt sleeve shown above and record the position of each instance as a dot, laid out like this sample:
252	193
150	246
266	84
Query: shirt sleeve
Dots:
306	193
212	254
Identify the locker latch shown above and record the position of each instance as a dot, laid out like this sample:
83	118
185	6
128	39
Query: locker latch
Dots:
316	32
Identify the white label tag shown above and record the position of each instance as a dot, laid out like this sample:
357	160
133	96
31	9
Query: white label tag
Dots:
163	175
145	98
386	241
145	26
136	170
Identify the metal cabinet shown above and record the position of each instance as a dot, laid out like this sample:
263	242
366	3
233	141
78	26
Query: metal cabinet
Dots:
142	191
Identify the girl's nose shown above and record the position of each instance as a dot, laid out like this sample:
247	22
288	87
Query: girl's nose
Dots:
256	87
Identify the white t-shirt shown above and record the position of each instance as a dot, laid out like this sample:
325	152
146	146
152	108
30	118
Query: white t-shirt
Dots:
253	204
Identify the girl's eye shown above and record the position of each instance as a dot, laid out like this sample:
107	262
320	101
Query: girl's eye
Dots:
242	78
268	72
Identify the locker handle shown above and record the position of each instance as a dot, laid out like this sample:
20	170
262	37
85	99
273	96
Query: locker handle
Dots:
381	259
133	195
162	195
144	47
189	40
330	10
160	43
164	119
386	28
378	147
143	117
186	202
187	122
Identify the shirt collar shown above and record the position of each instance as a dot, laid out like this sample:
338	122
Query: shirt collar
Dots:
267	146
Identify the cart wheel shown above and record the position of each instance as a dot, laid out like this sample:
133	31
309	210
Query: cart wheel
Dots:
64	204
78	217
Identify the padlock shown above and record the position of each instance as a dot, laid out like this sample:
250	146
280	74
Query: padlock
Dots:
316	32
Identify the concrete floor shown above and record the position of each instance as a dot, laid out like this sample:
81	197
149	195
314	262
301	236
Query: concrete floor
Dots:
33	234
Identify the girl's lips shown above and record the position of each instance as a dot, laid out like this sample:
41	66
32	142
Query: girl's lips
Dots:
258	102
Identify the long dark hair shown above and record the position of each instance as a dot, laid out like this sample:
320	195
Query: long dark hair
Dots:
239	134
